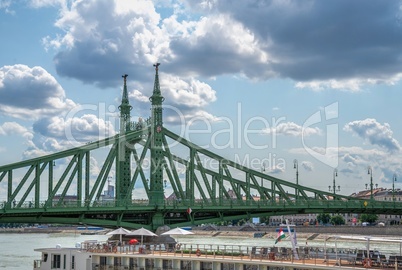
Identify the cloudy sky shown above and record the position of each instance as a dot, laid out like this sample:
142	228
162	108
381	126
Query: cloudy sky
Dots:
263	83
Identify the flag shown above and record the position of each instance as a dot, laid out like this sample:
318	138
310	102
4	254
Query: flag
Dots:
189	210
281	235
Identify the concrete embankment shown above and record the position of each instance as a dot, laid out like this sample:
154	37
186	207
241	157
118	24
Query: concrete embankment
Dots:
308	231
38	230
266	231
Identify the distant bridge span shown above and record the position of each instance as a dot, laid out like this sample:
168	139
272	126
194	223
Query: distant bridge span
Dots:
64	187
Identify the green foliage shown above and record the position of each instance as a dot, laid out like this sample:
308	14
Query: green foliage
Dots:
323	218
371	218
241	222
337	220
264	219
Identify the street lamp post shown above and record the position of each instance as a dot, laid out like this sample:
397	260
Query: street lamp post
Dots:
334	186
370	172
296	166
262	170
262	195
393	187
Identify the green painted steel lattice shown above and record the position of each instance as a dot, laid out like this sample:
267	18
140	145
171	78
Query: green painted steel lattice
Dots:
222	191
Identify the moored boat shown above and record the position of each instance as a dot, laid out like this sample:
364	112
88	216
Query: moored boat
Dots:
96	255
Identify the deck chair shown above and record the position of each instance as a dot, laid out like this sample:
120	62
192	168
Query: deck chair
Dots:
375	259
264	253
306	253
383	260
253	252
359	258
391	260
284	253
399	260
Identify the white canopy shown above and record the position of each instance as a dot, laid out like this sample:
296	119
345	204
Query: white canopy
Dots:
142	232
120	231
177	231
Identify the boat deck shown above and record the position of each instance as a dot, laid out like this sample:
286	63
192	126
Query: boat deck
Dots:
111	256
250	261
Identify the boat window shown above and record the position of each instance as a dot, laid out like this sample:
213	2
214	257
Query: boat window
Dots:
56	262
64	261
44	257
72	262
103	260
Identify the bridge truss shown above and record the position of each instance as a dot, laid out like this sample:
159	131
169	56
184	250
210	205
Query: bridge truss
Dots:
144	161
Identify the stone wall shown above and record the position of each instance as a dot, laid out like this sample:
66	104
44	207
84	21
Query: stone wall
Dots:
346	230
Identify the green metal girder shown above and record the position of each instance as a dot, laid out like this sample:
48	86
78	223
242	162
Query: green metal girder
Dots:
202	188
215	203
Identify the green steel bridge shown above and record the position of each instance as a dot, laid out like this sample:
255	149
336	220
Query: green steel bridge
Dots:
142	160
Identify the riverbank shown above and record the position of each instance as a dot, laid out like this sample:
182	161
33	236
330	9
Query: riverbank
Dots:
308	231
304	234
51	230
245	231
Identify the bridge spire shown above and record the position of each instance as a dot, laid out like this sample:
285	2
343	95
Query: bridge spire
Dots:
156	196
125	108
123	169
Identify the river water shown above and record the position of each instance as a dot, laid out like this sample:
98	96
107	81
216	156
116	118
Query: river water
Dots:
17	250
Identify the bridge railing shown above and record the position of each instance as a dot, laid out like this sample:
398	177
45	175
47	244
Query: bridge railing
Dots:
184	204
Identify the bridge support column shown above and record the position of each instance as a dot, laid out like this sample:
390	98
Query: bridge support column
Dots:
157	220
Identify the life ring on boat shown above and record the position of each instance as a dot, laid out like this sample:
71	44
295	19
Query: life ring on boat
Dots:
198	252
367	263
114	249
178	246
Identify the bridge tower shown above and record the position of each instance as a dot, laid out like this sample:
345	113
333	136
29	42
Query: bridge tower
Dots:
156	191
123	170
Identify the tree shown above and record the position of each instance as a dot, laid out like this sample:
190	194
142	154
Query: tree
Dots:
337	220
370	218
323	218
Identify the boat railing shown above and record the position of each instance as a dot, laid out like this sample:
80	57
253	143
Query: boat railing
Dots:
307	255
240	252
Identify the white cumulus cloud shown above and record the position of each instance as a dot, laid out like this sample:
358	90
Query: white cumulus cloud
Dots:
30	93
292	129
374	132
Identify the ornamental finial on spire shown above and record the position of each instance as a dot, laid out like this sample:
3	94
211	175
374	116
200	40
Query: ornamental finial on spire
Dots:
125	92
156	66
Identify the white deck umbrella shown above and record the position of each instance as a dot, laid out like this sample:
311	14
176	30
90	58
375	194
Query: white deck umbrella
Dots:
120	231
177	231
142	232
